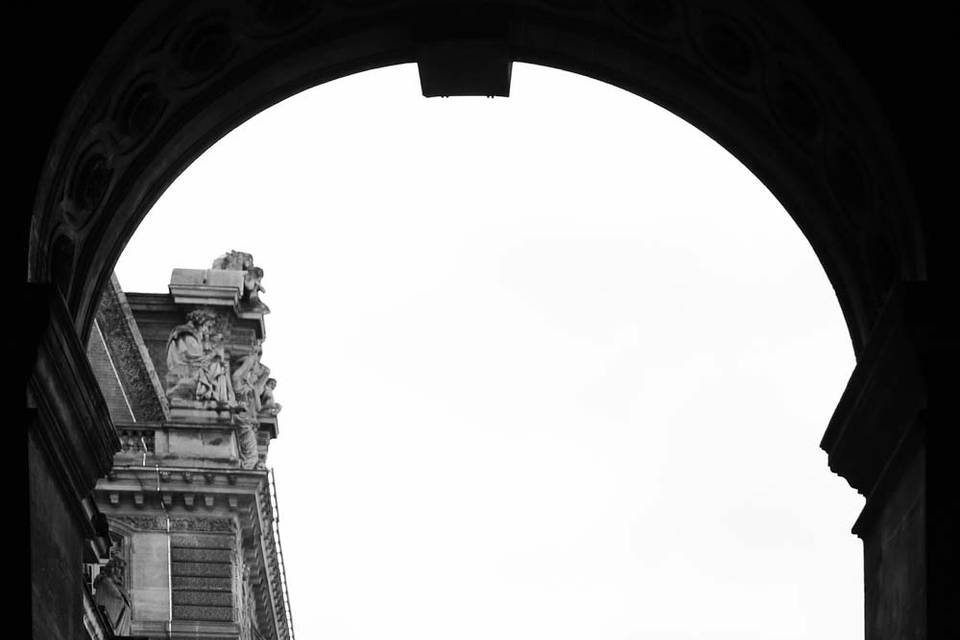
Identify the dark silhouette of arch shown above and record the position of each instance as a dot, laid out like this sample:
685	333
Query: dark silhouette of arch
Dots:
807	96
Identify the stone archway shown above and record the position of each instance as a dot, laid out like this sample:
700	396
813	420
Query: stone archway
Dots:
766	82
760	83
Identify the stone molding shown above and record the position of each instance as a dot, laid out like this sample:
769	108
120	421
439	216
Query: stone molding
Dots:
911	443
214	480
900	376
881	400
207	287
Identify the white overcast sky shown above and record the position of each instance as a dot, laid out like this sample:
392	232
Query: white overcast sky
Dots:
554	366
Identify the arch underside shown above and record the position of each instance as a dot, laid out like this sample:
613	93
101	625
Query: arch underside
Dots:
762	82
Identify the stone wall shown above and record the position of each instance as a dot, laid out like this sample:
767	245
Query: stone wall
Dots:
203	576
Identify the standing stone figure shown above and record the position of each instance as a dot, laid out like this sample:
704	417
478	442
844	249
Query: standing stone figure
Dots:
247	427
213	383
111	597
250	378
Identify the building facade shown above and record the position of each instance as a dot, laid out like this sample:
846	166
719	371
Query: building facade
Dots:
189	505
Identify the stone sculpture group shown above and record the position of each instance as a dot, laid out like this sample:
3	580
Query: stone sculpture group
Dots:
241	261
199	367
197	364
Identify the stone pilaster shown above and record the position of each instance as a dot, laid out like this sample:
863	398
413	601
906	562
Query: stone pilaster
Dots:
887	438
70	444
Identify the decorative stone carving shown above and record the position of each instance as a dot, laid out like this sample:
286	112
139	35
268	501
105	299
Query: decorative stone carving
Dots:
247	426
213	384
111	596
159	523
136	441
139	110
129	355
88	185
253	385
197	365
184	356
252	286
249	379
242	261
142	523
202	524
233	261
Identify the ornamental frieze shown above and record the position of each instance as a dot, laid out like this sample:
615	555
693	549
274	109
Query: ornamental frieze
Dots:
158	522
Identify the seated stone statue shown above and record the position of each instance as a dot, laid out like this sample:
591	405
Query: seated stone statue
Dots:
241	261
252	290
251	284
268	405
197	365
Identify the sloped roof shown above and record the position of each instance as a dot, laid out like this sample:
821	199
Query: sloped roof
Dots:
122	364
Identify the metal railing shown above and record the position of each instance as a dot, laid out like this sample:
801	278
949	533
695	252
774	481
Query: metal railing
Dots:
283	570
